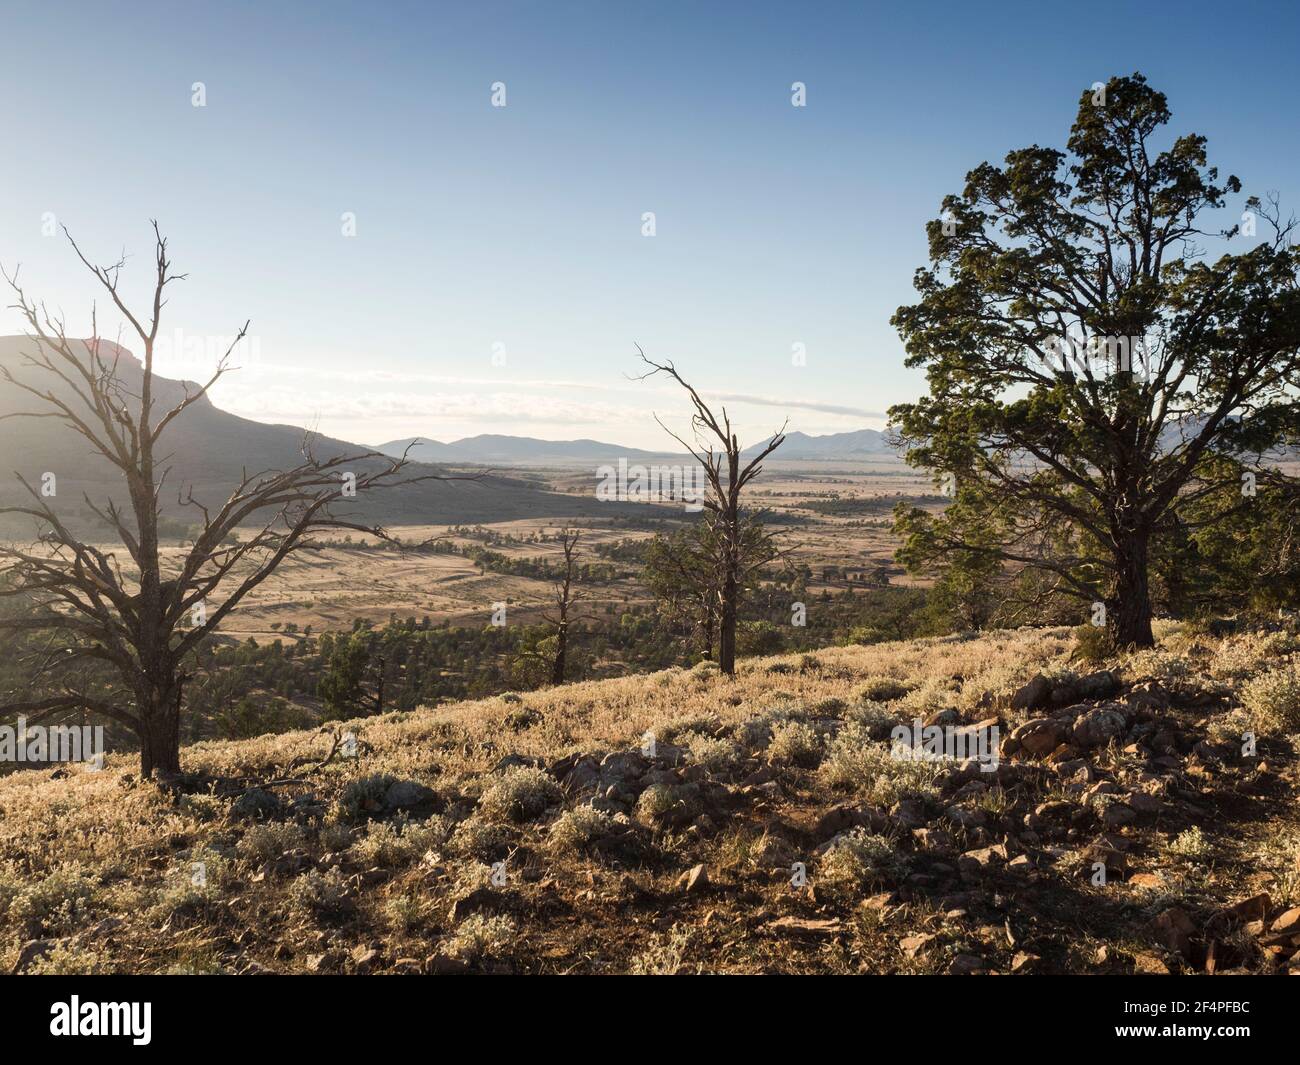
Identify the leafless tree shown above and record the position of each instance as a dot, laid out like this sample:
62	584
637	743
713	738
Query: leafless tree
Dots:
717	450
566	595
144	619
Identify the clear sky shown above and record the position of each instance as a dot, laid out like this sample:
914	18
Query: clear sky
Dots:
518	229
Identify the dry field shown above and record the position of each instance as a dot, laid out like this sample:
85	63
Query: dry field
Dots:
328	589
542	834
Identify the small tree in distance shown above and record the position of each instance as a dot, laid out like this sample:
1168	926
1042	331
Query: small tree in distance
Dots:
726	480
566	594
144	619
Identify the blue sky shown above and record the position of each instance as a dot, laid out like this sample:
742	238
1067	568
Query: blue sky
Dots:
517	230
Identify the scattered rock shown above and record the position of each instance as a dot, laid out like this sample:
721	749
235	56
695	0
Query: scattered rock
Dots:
1174	929
1040	736
1149	965
1036	695
694	880
256	804
1098	727
800	926
407	795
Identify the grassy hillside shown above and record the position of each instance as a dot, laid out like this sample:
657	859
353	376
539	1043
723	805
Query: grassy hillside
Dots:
614	862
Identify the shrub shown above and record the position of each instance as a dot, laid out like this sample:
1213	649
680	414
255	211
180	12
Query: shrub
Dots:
476	838
321	893
65	959
57	903
795	743
665	956
480	936
715	755
1273	701
268	841
579	828
856	762
872	718
364	797
1189	844
668	804
520	794
881	690
400	842
857	859
1093	644
404	912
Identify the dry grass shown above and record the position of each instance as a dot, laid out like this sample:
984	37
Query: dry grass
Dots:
512	868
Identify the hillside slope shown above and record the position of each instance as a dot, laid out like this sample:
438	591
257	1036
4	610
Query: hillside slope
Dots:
683	861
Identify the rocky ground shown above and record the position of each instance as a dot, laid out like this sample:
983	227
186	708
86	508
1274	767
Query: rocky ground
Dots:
1141	817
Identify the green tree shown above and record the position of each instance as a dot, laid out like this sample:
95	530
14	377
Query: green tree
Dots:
1087	360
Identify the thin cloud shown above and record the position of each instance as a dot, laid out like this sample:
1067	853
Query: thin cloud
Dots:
798	404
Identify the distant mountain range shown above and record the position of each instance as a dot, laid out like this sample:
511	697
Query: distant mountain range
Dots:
834	447
209	449
497	450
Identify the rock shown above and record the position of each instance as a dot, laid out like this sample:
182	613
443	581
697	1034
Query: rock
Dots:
511	761
1098	727
909	813
583	774
328	962
1174	929
365	958
947	716
33	951
914	945
408	966
1116	815
1103	684
1039	737
966	965
1144	803
1149	965
975	863
1036	695
444	965
800	926
407	795
620	767
1288	923
1251	909
694	880
1024	962
256	804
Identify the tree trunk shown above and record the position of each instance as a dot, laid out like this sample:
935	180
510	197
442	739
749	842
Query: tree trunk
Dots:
160	733
727	627
561	649
1128	614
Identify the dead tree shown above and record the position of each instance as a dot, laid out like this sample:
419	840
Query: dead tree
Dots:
566	594
723	498
143	622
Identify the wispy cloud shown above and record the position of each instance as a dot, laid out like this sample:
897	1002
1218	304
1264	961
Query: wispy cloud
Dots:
796	404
